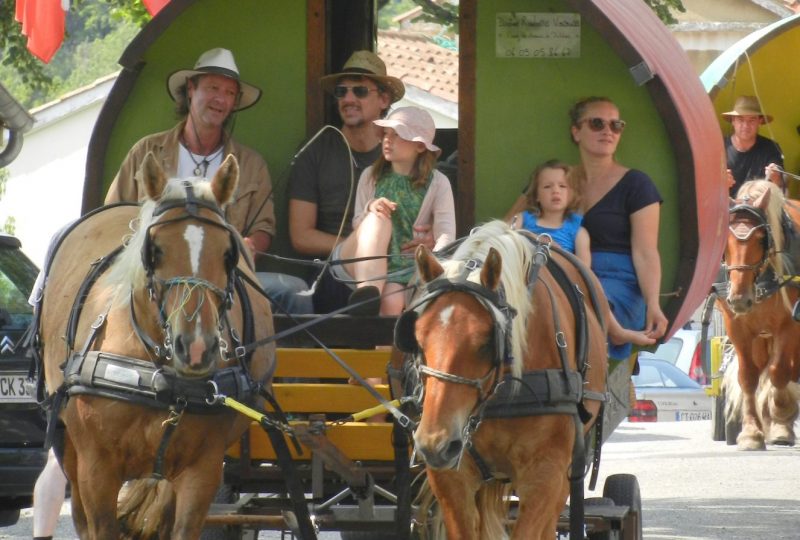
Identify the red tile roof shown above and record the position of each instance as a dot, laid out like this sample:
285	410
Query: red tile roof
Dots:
416	60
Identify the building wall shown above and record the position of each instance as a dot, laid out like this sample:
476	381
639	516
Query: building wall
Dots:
46	179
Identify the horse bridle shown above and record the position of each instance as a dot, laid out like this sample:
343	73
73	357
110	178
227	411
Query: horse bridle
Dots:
156	287
761	223
502	316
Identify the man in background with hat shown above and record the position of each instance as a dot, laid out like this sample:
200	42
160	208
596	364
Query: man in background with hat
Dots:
749	155
206	99
323	180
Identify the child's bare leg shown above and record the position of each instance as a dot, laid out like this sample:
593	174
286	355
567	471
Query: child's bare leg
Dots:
370	239
392	304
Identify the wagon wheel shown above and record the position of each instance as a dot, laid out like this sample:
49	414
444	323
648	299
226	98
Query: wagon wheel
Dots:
732	430
623	490
718	417
226	494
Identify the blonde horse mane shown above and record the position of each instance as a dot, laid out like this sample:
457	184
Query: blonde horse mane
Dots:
127	271
517	254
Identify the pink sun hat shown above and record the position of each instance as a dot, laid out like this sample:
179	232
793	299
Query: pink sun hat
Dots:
412	124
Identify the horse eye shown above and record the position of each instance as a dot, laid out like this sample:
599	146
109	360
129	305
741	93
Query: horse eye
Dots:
156	255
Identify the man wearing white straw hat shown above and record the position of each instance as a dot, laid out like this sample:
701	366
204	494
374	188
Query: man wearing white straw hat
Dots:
206	98
750	155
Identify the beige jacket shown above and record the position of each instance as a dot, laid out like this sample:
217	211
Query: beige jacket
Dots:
250	210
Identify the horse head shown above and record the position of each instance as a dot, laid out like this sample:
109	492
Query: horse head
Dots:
754	231
460	330
187	254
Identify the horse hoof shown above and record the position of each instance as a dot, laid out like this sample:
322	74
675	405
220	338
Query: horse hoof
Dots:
750	443
781	441
781	435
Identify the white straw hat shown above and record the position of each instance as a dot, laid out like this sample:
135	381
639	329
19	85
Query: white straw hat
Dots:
215	62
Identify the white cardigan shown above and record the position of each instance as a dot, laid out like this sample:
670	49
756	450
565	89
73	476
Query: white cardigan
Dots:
438	207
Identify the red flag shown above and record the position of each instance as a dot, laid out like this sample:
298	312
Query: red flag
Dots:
154	6
43	24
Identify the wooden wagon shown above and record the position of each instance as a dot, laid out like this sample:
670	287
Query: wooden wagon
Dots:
515	86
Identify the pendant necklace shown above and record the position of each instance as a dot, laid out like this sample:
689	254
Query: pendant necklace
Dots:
201	167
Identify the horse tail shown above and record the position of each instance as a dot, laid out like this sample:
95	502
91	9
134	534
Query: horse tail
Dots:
492	502
146	510
732	392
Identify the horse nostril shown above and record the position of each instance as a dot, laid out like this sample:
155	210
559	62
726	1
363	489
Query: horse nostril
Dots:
453	449
180	347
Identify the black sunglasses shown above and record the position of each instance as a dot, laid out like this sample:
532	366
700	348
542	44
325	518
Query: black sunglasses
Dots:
340	90
598	124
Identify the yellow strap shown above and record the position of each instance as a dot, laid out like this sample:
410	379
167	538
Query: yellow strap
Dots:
355	417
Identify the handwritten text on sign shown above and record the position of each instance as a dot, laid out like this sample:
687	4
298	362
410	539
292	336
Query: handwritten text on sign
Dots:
538	35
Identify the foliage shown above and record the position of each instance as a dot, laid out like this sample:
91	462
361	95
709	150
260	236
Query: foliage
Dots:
97	32
664	8
10	225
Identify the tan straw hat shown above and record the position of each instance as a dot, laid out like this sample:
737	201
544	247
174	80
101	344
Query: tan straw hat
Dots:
366	64
215	62
747	106
412	124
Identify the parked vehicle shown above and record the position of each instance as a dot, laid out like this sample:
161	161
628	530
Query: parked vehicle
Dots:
22	423
682	351
664	394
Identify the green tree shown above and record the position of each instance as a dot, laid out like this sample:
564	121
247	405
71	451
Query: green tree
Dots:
9	227
98	28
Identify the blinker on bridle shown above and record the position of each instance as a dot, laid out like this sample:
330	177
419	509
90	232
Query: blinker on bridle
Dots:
760	217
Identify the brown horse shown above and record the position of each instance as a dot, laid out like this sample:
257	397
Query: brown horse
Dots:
757	311
500	400
144	341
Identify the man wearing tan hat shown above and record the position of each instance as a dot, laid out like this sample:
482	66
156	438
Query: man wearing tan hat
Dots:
749	155
206	98
322	183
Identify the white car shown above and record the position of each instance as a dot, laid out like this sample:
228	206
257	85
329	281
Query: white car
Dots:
666	394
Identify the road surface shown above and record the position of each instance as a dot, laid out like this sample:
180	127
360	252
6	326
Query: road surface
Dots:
692	488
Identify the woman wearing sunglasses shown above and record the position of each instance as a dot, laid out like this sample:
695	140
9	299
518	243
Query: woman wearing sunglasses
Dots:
621	213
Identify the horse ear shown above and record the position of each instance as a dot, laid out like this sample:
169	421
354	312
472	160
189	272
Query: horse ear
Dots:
427	265
153	177
490	273
224	183
763	199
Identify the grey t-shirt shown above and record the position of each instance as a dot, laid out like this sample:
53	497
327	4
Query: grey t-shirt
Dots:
321	175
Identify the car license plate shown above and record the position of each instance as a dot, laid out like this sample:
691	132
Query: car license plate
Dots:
13	388
692	415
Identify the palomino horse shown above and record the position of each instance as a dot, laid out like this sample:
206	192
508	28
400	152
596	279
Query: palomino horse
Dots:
761	258
135	341
497	336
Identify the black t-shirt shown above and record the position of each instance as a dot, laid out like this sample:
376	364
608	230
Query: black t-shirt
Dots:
750	165
609	220
321	175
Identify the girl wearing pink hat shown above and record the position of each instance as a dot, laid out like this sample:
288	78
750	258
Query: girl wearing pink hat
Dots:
402	190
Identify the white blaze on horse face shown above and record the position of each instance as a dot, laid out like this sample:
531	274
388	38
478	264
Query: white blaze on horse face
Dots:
445	315
194	237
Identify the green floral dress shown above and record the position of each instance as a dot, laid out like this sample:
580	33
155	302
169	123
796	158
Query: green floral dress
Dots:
397	188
